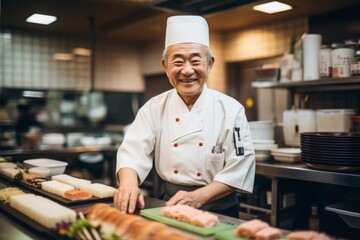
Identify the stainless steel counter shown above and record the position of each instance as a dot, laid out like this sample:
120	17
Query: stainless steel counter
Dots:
300	171
277	171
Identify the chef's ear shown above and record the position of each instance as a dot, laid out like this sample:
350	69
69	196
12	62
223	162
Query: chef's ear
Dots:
211	62
163	63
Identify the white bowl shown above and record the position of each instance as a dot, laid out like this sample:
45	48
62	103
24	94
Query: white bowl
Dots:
56	167
262	155
41	171
286	154
287	151
265	146
262	130
260	141
285	158
53	138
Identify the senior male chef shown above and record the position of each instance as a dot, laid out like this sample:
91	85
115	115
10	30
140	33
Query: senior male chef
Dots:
198	138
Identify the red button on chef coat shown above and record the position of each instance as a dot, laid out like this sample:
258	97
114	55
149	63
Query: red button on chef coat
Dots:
200	144
177	119
176	171
175	144
198	173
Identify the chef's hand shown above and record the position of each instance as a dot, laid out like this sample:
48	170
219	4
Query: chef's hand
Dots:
201	196
128	196
126	199
188	198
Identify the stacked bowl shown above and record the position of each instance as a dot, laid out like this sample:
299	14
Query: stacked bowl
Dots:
262	133
333	151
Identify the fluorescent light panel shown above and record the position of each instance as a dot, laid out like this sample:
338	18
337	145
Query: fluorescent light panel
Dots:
63	56
41	19
272	7
82	52
34	94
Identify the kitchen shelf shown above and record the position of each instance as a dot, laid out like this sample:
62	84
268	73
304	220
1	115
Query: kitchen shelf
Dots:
299	91
349	211
252	207
320	84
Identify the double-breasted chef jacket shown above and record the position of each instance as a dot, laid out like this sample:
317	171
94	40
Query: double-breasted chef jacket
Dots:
182	142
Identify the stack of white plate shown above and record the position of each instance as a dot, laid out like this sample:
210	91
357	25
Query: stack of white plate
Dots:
262	133
52	141
286	154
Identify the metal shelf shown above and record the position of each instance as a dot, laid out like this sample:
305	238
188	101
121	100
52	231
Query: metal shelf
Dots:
252	207
326	82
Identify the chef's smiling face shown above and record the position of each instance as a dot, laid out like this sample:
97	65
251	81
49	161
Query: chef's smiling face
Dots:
188	66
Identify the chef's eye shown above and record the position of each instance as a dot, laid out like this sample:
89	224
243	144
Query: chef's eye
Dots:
196	62
178	63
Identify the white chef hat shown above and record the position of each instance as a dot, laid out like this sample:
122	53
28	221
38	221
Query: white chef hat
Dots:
186	29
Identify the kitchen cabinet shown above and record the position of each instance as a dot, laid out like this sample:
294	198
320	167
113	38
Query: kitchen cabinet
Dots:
344	184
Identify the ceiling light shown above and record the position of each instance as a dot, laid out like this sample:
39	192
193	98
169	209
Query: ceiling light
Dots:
63	56
272	7
34	94
82	52
41	19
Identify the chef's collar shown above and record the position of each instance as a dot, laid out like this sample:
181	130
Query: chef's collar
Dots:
200	102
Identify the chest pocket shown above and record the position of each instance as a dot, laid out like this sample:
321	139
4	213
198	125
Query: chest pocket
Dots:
214	164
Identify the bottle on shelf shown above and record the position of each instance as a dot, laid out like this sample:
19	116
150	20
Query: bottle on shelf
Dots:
286	62
314	222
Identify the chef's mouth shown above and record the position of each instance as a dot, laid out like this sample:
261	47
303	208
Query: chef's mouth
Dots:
187	80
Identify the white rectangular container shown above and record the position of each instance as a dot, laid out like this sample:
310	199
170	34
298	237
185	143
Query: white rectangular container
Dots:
334	120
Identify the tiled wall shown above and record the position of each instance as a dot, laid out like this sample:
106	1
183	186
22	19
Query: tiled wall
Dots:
118	68
264	41
217	79
27	62
151	58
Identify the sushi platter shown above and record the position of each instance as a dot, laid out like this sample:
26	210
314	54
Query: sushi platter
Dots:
57	198
155	214
230	235
35	226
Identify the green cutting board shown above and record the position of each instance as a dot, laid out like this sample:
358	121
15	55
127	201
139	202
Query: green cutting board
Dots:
155	214
230	235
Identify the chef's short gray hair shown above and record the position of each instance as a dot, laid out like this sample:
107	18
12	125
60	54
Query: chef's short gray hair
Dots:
208	53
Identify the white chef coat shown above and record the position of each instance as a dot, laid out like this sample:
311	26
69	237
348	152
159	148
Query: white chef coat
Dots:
181	141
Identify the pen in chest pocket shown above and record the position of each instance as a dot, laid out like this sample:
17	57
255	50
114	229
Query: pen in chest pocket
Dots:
216	149
239	147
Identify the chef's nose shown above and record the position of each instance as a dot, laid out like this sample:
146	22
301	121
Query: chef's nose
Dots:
188	69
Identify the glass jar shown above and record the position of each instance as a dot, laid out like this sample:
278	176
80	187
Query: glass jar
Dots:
341	59
355	65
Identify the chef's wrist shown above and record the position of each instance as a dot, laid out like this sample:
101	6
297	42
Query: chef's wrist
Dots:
202	196
128	177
